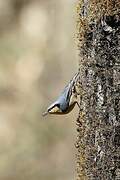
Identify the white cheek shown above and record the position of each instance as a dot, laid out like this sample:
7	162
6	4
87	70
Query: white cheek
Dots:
54	110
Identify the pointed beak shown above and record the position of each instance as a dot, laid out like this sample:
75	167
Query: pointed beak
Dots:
45	113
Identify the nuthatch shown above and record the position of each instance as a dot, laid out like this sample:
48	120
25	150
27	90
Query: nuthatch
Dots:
67	100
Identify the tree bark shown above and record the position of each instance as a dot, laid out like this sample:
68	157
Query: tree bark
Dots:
98	123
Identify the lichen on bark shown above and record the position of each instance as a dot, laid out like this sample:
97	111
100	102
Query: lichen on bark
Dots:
98	123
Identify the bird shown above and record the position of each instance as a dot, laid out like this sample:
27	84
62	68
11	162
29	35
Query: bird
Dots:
67	99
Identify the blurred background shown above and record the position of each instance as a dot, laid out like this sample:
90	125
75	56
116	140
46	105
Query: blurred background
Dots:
37	59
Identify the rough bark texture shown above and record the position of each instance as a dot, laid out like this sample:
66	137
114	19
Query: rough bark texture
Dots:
98	124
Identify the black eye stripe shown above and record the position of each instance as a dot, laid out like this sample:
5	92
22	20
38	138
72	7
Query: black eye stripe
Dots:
53	107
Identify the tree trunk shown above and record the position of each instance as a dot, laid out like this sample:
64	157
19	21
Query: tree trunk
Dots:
98	124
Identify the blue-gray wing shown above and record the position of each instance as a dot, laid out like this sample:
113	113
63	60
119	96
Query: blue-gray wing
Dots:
63	100
66	93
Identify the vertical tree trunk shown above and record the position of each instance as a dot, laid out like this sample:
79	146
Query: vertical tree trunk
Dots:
98	124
